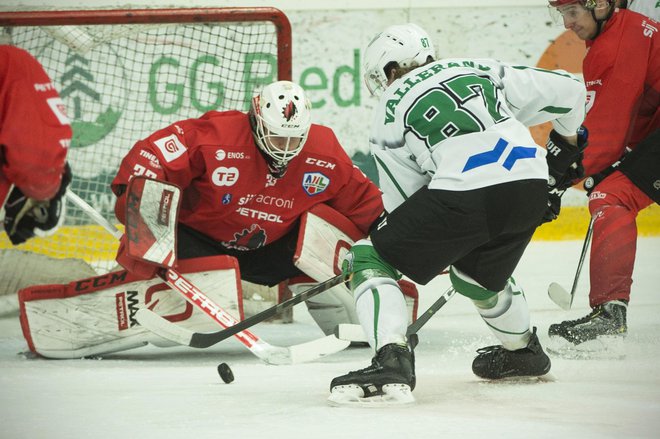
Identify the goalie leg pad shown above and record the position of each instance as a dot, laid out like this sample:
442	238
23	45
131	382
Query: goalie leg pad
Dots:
332	308
95	316
325	237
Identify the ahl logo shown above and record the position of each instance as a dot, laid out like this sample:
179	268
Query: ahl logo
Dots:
94	89
226	199
314	183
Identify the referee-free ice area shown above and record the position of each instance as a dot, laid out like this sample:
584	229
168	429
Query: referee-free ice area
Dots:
176	393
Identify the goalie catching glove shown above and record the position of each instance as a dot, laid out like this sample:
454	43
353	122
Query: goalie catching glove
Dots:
26	217
564	167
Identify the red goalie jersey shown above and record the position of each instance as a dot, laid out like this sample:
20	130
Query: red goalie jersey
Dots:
228	192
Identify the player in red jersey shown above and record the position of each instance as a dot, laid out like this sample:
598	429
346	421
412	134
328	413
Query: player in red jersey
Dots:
246	180
622	75
34	137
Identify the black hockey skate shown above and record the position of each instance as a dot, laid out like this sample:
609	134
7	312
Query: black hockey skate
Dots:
601	332
389	380
495	362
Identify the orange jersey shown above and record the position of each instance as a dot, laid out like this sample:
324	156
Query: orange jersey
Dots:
227	191
34	130
622	75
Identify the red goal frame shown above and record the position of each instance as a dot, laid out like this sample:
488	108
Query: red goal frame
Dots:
156	16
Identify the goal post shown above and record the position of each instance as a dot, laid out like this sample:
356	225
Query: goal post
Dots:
123	74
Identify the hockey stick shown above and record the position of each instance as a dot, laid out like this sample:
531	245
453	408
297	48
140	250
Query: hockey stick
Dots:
186	337
415	326
556	292
265	351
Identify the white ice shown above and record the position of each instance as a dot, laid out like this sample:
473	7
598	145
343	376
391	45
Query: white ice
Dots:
176	393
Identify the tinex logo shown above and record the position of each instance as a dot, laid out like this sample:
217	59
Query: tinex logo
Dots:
171	147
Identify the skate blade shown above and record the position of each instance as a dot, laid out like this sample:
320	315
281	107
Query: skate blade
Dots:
354	395
602	348
547	378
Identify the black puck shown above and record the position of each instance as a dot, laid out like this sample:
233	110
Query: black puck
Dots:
225	373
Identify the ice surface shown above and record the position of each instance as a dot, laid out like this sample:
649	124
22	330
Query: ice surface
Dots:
176	392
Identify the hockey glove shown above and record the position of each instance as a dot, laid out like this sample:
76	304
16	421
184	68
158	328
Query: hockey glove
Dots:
564	167
26	217
565	160
138	267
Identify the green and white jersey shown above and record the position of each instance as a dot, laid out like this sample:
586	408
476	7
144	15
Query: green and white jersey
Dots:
459	124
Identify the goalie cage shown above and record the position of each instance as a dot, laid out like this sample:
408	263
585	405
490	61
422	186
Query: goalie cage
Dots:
123	74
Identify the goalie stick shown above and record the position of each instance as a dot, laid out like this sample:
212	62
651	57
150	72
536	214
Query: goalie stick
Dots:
556	292
268	353
185	337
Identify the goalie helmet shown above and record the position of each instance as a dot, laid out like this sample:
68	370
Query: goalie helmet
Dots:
408	45
281	118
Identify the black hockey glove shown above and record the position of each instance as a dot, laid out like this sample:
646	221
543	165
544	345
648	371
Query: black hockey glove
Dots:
565	160
564	167
26	217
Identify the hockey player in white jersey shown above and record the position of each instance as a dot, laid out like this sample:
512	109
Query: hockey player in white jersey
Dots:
465	186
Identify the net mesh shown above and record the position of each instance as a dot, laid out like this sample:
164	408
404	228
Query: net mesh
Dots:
120	82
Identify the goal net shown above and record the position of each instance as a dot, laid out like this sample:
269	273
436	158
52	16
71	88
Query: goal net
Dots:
123	74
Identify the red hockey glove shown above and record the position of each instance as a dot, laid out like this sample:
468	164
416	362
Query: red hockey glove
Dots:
138	267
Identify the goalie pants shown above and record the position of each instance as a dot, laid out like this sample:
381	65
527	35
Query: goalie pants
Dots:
267	265
482	232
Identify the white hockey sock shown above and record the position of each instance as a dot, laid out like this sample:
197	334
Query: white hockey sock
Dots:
508	318
381	309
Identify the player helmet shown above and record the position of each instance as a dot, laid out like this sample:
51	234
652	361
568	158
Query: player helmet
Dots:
589	4
281	118
406	44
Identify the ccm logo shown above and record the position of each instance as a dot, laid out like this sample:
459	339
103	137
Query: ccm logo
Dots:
320	163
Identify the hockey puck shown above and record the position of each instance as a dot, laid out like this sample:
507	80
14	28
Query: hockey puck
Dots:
225	373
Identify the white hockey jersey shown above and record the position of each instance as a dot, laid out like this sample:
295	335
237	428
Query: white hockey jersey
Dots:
461	124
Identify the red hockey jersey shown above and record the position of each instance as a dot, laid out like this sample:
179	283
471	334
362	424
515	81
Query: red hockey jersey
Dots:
34	129
622	75
227	191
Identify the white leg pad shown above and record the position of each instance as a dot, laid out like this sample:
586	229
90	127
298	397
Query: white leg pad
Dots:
95	316
382	310
509	318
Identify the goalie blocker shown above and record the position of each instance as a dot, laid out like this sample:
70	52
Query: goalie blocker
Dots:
324	238
95	316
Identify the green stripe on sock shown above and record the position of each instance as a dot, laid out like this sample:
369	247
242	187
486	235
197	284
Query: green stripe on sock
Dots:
376	296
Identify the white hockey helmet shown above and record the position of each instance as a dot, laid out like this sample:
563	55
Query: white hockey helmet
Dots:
406	44
281	118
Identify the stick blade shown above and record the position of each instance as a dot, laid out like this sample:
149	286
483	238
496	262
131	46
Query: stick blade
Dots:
315	349
560	296
162	327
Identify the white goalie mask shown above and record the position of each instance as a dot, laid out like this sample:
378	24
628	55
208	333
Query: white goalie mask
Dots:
281	118
406	44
